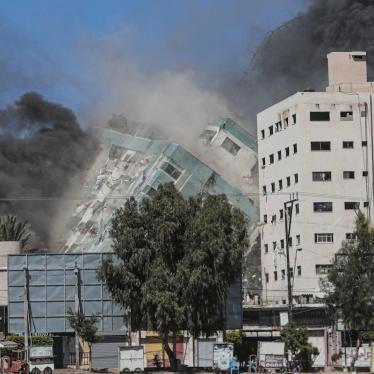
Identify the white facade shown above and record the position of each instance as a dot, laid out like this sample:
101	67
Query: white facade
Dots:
319	145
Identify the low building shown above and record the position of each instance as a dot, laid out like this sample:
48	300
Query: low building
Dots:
6	249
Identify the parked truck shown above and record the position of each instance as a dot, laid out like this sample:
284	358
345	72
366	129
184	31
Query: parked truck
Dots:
271	356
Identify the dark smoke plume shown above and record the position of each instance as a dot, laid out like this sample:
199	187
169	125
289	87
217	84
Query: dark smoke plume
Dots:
293	57
42	148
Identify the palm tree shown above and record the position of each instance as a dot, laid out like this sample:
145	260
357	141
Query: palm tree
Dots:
13	230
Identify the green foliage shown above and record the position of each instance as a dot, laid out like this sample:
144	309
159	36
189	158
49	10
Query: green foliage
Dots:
176	259
13	230
296	341
350	291
241	349
336	356
36	341
367	337
16	339
84	327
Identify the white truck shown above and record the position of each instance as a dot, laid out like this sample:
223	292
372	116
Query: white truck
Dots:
41	360
271	355
131	358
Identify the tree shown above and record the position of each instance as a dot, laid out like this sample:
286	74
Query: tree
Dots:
241	349
296	341
85	327
350	287
13	230
176	258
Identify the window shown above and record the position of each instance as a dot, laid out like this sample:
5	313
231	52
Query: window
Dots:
282	243
171	170
207	136
347	145
280	183
279	155
274	246
366	204
290	241
320	146
319	116
267	277
263	162
280	214
295	148
298	240
288	181
271	130
297	208
284	301
296	178
348	175
365	173
264	190
351	205
363	113
266	248
324	238
323	269
321	176
273	187
275	275
265	218
262	134
364	143
283	274
350	236
294	119
230	146
273	218
322	206
299	270
346	116
287	151
291	272
286	122
150	191
271	158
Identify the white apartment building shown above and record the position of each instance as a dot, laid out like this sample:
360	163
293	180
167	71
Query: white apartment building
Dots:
319	145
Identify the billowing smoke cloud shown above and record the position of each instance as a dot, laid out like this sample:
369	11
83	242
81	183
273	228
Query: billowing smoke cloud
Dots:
293	57
42	150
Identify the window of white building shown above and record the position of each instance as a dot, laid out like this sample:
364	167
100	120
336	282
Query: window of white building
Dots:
323	269
320	146
324	238
348	175
230	146
348	145
346	116
321	176
319	116
168	168
322	206
351	205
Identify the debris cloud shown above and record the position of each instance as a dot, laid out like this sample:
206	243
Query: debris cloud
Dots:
42	151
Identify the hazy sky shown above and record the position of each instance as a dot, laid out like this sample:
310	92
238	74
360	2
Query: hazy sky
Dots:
42	41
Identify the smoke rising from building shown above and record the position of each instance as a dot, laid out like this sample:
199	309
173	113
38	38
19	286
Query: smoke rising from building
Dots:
42	150
293	57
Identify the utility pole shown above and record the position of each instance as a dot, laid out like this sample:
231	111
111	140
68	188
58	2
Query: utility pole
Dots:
77	310
26	312
288	210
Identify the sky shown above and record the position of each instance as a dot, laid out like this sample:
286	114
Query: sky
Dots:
46	45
